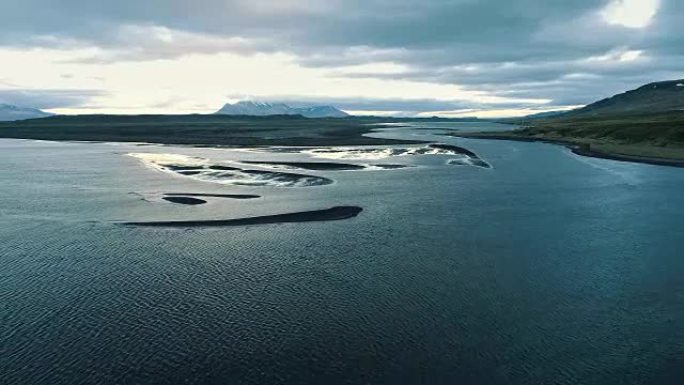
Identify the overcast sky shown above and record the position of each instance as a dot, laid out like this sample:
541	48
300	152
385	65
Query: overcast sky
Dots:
429	57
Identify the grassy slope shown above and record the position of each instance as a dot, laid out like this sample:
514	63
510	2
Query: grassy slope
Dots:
643	137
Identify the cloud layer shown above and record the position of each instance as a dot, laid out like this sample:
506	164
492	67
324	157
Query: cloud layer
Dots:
374	55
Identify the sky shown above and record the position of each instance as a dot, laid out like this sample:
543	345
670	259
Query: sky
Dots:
486	58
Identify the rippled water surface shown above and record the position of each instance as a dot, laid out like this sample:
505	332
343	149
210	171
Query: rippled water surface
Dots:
546	268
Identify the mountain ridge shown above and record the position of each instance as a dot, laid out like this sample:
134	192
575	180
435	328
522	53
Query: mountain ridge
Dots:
662	96
253	108
9	113
644	125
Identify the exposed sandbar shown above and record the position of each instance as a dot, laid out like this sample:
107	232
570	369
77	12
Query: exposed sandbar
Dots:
314	166
454	149
472	159
331	214
228	196
326	166
184	200
200	169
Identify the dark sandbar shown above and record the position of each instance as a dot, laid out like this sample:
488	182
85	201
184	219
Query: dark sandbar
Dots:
475	160
455	149
189	172
480	163
331	214
223	168
241	176
327	166
176	167
314	166
390	166
229	196
470	162
184	200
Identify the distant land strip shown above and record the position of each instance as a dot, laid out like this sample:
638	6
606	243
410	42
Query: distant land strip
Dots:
203	130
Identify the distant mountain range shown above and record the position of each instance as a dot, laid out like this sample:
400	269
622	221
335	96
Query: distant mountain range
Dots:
252	108
547	114
9	113
664	96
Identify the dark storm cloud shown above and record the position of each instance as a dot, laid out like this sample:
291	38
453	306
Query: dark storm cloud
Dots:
521	48
448	30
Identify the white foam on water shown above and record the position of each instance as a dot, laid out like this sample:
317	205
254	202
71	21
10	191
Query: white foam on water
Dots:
351	153
385	167
263	179
466	160
169	159
374	153
198	168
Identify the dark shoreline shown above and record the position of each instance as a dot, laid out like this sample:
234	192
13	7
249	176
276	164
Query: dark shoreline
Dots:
202	130
332	214
582	149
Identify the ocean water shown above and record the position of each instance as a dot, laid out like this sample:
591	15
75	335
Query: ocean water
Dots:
547	268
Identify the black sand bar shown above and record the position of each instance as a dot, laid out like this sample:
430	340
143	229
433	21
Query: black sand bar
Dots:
314	166
185	200
228	196
332	214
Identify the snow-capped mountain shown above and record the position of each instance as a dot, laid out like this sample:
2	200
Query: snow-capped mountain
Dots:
255	109
9	112
321	112
264	109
